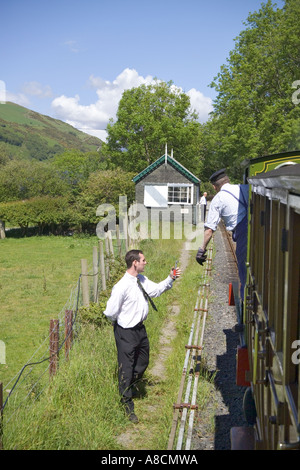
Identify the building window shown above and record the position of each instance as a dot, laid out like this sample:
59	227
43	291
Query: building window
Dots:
180	194
156	195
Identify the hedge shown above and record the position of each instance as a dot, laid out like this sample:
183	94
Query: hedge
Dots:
39	211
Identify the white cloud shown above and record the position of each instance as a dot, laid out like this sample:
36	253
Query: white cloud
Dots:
199	103
93	118
202	104
18	98
29	89
37	89
72	45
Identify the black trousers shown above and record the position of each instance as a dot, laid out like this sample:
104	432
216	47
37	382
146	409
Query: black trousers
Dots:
133	359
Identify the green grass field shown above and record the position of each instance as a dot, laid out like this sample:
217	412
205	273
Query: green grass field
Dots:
81	409
37	275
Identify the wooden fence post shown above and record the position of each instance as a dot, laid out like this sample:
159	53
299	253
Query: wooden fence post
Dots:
1	416
102	265
68	332
95	273
107	267
110	244
2	229
119	241
85	283
54	346
106	243
125	225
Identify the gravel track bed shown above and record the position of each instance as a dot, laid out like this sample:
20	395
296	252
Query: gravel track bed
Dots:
224	410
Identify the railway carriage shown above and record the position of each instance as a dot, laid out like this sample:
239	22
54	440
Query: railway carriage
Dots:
270	323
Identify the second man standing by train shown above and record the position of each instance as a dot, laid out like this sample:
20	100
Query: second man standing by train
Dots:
127	308
231	205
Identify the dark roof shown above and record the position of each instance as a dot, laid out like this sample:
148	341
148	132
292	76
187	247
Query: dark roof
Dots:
171	161
285	176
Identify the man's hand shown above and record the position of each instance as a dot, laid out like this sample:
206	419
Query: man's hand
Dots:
175	273
201	256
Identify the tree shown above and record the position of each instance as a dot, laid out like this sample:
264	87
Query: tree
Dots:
74	166
24	180
148	117
42	212
254	113
103	187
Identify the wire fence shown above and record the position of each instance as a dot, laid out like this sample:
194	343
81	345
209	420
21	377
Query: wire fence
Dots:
25	388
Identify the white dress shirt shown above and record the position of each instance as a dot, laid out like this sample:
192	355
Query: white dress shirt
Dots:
227	206
127	304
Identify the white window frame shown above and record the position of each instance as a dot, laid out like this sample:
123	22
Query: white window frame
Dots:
190	193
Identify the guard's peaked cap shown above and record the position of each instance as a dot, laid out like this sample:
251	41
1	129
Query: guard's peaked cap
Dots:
217	175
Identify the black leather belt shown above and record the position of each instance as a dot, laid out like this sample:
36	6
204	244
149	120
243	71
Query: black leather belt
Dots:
138	325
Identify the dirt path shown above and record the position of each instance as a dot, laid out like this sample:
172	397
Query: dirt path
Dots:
169	330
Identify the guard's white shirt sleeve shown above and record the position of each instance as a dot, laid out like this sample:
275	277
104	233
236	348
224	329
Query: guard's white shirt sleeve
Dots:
227	207
127	304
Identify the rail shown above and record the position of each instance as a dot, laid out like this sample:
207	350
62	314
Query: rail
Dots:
230	242
180	430
186	406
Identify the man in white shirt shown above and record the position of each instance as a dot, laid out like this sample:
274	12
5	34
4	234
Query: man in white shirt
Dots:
231	205
128	308
203	203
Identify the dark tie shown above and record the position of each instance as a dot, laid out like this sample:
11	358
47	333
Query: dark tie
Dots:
146	295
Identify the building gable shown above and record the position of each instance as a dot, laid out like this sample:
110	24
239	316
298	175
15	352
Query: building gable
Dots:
163	160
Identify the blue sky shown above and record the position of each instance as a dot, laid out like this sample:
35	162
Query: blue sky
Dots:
72	60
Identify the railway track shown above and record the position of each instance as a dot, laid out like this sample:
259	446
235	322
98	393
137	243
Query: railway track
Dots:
230	247
186	406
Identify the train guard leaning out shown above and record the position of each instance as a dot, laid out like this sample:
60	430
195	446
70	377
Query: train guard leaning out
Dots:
269	353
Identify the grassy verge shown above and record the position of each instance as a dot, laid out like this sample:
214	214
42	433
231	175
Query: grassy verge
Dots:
163	394
81	409
36	277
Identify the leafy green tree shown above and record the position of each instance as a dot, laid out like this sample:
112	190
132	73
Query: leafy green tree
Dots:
24	180
74	167
254	113
104	187
148	117
42	212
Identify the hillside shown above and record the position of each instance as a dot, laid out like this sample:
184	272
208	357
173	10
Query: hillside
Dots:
26	134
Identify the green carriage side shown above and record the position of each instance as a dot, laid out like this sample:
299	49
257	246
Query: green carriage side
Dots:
271	311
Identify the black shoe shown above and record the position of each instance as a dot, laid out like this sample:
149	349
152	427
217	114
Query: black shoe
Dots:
133	418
